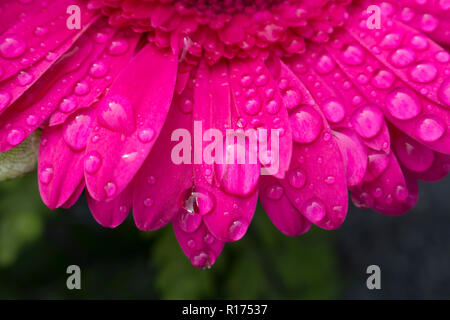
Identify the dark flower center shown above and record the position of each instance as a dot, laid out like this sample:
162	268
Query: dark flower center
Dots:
228	6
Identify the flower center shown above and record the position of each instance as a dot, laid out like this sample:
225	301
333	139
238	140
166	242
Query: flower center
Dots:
215	29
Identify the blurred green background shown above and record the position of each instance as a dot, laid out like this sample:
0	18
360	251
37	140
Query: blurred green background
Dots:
37	245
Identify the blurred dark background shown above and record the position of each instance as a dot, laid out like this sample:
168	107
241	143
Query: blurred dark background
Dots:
37	245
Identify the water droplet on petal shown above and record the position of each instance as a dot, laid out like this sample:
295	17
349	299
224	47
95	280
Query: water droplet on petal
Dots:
92	162
333	110
81	88
419	42
429	23
146	135
98	69
353	54
325	64
306	125
189	221
110	189
274	192
68	104
116	113
118	47
444	92
402	57
401	193
202	259
391	41
15	136
423	72
403	104
12	46
77	131
252	106
46	175
383	79
24	78
297	178
430	129
238	228
148	202
314	210
368	121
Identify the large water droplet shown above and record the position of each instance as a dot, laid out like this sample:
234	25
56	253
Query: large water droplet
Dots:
92	162
306	125
423	72
238	228
46	175
110	189
274	192
15	136
383	79
297	178
430	129
314	210
98	69
76	132
12	46
367	121
353	54
118	47
402	57
325	64
189	221
333	110
403	104
116	113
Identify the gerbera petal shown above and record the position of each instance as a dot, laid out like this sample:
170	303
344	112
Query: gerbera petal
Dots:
160	183
198	244
260	104
280	210
63	147
354	155
130	118
386	85
229	190
343	105
75	196
387	193
57	88
111	213
114	54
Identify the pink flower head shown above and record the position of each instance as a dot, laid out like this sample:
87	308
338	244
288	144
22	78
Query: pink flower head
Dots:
360	99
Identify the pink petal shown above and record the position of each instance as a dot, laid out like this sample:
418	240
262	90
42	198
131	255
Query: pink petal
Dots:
416	102
75	196
112	213
27	33
53	90
228	210
61	148
280	210
354	155
160	183
388	193
200	246
130	117
260	105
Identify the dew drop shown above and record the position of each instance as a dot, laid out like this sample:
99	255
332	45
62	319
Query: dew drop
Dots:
383	79
252	106
98	69
46	175
237	229
430	129
274	192
92	162
333	110
116	114
419	42
423	72
353	54
189	221
402	57
306	125
15	136
118	47
325	64
24	78
444	92
81	88
5	99
146	135
403	104
68	104
77	131
297	178
12	46
314	210
368	121
110	189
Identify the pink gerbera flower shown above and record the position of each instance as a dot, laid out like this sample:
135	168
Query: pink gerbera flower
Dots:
358	108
